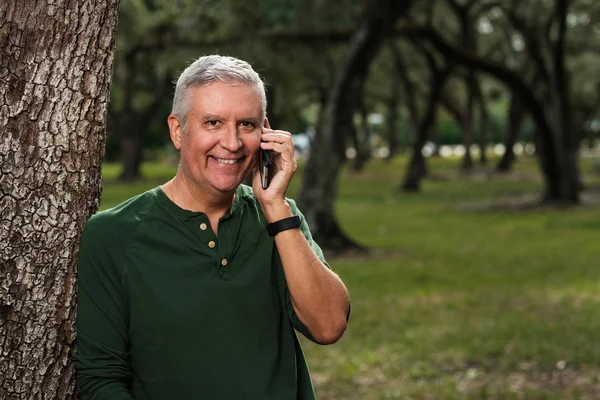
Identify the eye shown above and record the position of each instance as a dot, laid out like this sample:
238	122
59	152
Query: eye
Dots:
247	124
212	122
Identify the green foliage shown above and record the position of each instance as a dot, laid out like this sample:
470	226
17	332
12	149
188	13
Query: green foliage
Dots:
163	36
457	300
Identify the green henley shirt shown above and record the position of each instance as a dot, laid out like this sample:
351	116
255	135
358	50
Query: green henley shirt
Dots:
169	310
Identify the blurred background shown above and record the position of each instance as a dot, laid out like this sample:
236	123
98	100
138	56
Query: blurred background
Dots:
448	150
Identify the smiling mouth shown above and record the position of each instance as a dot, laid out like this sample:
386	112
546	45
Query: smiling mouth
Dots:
228	161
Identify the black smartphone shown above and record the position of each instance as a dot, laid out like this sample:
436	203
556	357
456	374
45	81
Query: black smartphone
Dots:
265	168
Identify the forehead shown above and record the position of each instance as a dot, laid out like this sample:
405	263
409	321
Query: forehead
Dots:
224	98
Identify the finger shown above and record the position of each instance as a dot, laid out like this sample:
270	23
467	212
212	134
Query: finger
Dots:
276	136
276	132
280	148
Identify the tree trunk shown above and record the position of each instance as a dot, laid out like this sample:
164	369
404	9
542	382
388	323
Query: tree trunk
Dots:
362	141
52	123
391	125
483	132
417	167
484	124
434	136
516	115
561	174
570	182
134	122
410	97
131	135
559	144
467	162
556	180
319	182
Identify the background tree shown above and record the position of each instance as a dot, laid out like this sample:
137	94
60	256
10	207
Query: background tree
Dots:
56	59
143	79
416	170
549	108
299	48
318	192
516	115
466	22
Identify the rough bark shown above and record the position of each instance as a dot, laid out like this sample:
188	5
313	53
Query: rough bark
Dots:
56	62
319	182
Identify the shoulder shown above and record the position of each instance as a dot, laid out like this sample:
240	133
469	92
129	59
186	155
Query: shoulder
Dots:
106	239
246	193
120	222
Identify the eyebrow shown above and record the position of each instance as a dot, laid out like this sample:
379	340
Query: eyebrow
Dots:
210	117
216	117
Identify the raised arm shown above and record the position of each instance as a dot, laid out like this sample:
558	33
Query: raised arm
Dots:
318	295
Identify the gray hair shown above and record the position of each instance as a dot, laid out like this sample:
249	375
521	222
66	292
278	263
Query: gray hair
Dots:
208	69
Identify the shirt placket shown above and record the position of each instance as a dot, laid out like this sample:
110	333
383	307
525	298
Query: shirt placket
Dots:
209	239
223	266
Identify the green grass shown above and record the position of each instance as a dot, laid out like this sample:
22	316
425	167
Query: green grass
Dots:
457	301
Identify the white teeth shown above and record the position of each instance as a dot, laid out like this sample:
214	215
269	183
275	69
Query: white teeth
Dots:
225	161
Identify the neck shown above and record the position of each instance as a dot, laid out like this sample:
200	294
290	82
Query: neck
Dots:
191	197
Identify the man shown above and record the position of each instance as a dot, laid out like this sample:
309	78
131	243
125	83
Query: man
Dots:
183	292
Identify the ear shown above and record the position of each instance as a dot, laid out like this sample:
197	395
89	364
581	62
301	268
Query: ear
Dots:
175	130
266	124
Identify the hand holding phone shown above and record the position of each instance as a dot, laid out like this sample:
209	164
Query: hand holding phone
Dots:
265	168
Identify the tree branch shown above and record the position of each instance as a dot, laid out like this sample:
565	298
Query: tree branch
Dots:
409	86
510	78
531	41
486	7
451	104
458	8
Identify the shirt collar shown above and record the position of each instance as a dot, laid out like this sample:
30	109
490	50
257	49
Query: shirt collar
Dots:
179	212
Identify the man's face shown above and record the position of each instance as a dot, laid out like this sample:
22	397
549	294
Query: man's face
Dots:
221	141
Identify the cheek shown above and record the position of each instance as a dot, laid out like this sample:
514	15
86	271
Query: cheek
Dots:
253	142
200	143
252	145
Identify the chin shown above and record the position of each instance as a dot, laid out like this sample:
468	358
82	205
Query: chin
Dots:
226	187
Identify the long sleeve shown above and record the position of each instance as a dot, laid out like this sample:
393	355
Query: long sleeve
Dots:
102	359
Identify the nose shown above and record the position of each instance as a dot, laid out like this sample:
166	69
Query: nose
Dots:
231	139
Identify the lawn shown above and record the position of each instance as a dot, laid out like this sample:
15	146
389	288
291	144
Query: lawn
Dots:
465	293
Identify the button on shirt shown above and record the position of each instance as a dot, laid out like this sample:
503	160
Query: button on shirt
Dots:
169	310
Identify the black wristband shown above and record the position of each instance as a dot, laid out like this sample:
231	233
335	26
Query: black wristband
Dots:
283	225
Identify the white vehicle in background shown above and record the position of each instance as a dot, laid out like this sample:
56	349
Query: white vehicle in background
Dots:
301	144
